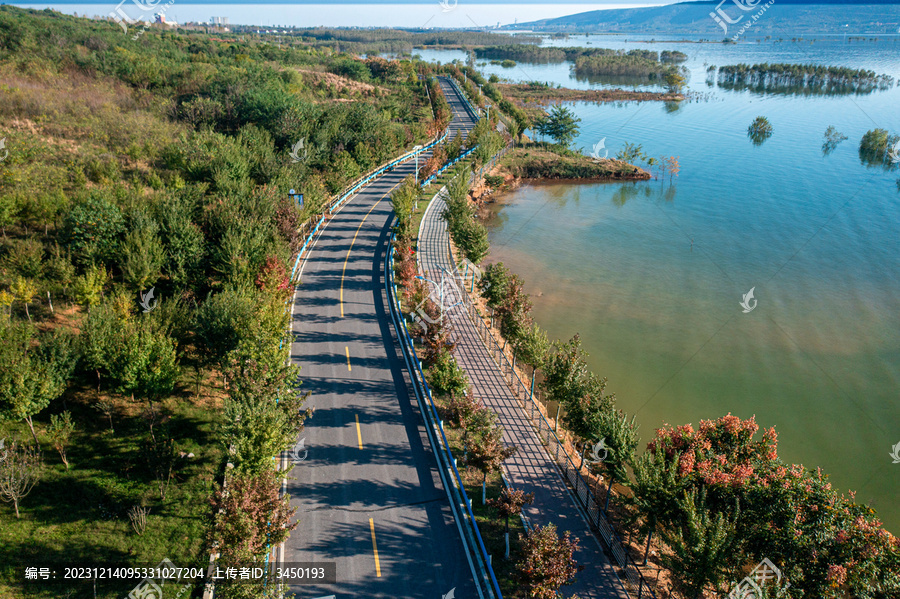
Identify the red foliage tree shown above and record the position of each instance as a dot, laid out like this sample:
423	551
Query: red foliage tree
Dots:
827	545
273	278
547	562
249	516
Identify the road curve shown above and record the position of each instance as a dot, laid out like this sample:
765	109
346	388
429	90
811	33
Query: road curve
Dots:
369	495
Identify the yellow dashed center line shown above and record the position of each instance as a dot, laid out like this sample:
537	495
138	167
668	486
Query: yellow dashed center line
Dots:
352	241
358	432
348	357
375	549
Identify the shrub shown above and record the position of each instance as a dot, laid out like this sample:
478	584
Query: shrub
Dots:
446	377
93	228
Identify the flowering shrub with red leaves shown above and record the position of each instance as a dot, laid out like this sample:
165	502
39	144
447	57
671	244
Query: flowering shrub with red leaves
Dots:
826	545
547	562
273	278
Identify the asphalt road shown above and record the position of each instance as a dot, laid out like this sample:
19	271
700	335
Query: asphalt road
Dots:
368	494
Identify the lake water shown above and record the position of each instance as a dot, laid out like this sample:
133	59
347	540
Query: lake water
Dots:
651	274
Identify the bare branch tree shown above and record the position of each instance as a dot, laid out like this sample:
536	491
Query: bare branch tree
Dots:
20	470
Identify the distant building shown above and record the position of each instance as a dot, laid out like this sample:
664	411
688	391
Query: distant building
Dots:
160	18
219	21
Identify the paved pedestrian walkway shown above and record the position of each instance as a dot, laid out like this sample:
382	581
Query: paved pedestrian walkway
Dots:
531	468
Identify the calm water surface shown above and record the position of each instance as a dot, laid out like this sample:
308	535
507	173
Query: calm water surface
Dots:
651	274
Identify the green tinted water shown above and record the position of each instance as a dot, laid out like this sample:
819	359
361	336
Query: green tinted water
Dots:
652	274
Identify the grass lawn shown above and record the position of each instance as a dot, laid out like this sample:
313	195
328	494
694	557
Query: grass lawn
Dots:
81	516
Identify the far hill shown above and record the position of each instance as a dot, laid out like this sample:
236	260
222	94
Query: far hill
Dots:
783	18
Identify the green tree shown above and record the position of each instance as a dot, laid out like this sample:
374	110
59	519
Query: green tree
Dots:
137	355
182	239
701	546
566	374
144	360
674	80
484	446
533	346
60	432
446	377
142	254
93	228
833	138
759	130
24	290
88	288
621	438
222	320
878	147
28	382
98	335
654	494
494	284
403	201
561	124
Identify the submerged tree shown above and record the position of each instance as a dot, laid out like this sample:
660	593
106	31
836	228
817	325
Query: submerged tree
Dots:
759	130
833	138
878	147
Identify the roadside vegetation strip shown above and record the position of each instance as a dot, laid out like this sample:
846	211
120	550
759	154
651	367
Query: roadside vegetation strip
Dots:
473	538
434	244
144	268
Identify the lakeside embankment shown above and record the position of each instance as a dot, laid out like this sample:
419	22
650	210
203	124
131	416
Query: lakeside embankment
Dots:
540	163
